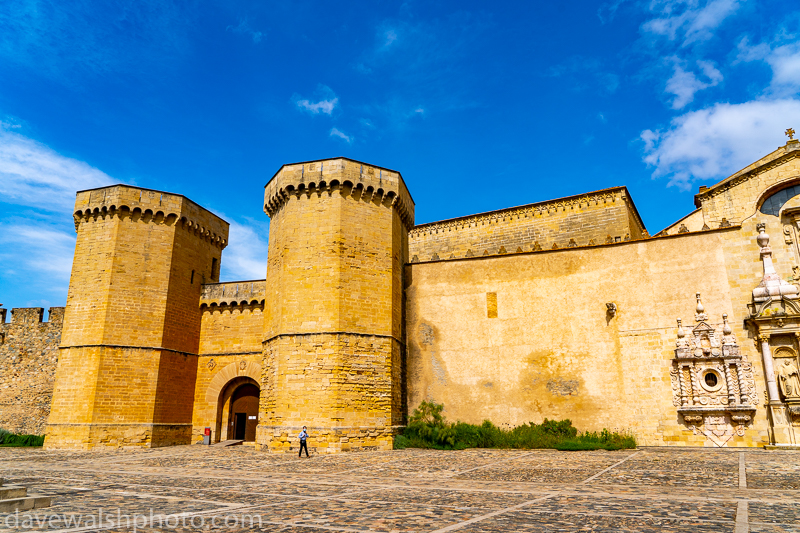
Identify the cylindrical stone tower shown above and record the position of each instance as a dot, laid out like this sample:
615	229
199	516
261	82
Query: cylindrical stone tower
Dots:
128	357
333	339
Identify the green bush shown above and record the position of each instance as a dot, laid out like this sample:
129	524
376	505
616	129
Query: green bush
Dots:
427	428
401	442
12	440
3	433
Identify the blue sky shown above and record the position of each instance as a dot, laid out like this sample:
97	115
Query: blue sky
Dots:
480	106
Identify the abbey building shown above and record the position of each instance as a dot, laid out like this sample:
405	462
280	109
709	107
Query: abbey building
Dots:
560	309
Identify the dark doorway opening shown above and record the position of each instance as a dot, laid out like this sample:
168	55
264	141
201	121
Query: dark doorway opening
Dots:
244	412
240	423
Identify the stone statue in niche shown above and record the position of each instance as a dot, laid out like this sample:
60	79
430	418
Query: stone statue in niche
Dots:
712	383
788	378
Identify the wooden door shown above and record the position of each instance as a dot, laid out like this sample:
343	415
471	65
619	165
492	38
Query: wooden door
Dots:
244	407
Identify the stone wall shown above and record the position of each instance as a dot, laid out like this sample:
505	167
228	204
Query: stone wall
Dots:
584	220
524	337
231	332
28	358
345	388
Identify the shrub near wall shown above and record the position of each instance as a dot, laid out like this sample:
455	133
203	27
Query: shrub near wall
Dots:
428	428
12	440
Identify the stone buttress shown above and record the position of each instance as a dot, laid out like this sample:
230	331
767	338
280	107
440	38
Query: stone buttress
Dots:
333	327
128	354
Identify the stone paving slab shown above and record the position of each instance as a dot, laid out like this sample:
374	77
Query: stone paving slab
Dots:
705	478
647	490
532	522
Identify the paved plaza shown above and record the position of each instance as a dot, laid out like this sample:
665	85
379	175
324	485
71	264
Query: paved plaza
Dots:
192	488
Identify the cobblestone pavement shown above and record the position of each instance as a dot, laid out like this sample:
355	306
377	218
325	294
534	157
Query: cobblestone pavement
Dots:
191	488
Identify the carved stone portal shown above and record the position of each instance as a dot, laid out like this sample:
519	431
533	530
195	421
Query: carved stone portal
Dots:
712	382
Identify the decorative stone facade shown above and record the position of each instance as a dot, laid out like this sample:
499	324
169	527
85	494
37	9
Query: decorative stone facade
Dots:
775	321
712	383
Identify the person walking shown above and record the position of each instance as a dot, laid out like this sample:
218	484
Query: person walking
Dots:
303	436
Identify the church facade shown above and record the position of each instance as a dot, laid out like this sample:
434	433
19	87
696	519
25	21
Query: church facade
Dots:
560	309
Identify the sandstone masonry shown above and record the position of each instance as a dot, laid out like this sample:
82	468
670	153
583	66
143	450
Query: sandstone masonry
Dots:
559	309
28	357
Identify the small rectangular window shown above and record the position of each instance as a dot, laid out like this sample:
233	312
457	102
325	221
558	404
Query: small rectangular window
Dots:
192	280
491	305
214	275
617	239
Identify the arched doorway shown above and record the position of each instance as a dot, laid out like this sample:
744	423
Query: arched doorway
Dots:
243	414
220	392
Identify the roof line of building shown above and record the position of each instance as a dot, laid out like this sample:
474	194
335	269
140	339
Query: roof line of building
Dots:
790	149
577	248
507	209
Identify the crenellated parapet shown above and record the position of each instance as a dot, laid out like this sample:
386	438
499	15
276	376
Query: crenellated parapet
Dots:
233	293
540	209
150	206
343	176
594	218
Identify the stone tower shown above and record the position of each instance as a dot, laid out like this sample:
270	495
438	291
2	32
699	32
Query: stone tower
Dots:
333	339
128	355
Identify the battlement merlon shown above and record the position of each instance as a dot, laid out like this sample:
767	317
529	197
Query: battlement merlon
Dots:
351	176
151	205
233	293
33	316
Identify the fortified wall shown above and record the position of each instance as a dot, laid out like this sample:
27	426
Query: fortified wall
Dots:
590	333
230	353
559	309
28	358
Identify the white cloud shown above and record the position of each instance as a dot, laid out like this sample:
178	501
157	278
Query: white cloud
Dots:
389	37
335	132
323	106
326	104
246	254
684	84
688	19
244	28
783	59
607	11
35	175
40	249
69	40
37	236
712	143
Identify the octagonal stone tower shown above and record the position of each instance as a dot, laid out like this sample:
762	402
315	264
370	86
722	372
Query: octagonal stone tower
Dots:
333	339
128	356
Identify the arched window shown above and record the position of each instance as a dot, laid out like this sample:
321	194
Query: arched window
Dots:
773	204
